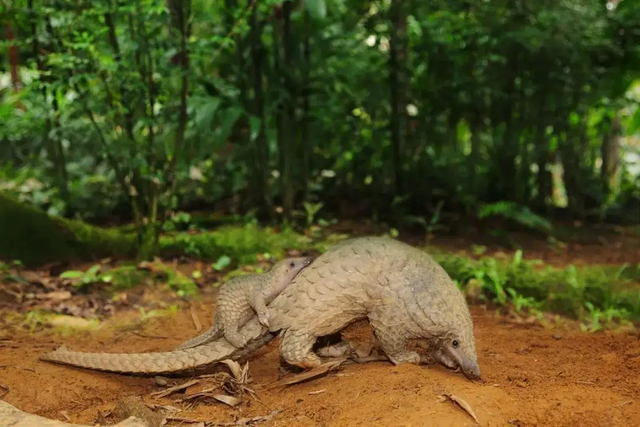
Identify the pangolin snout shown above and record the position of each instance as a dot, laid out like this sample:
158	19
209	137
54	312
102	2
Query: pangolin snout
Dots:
472	371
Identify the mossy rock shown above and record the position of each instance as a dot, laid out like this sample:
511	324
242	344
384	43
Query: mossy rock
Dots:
35	238
240	243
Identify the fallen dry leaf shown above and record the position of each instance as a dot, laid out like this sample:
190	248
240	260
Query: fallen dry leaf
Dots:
167	392
185	420
3	390
65	415
235	368
55	296
133	406
101	418
315	372
253	420
229	400
69	321
464	405
32	277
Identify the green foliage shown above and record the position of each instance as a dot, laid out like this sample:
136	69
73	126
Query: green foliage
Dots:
177	281
222	262
316	8
571	291
119	278
134	111
83	279
241	244
124	277
517	213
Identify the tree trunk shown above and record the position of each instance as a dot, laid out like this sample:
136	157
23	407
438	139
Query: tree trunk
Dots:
260	152
289	121
306	108
13	56
610	152
398	84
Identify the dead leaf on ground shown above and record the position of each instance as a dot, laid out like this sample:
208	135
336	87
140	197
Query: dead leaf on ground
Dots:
3	390
207	385
315	372
168	408
70	321
255	420
237	371
55	296
133	406
101	418
167	392
186	420
34	277
463	404
229	400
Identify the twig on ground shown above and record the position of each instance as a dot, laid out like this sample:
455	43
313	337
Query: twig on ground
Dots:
173	389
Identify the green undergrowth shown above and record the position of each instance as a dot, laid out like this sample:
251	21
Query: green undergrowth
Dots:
242	244
124	277
600	295
596	293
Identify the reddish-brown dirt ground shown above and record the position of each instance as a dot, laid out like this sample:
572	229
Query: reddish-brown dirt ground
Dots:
532	376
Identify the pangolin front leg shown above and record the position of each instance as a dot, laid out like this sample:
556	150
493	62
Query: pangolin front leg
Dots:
393	337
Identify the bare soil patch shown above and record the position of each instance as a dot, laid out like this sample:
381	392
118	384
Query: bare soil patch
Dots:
533	376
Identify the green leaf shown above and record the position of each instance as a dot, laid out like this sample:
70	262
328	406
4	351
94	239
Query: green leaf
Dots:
317	8
634	123
228	118
221	263
72	274
206	112
254	124
93	269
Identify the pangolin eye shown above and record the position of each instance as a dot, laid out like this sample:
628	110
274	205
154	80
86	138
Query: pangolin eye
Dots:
292	264
455	343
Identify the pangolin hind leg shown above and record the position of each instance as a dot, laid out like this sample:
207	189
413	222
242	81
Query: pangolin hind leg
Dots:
234	336
296	348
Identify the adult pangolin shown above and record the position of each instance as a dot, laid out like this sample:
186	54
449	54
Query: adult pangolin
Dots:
403	292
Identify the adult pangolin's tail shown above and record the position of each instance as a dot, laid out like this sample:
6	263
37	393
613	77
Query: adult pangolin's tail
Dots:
175	361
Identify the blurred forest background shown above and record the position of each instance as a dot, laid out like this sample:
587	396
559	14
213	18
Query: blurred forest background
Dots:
156	117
